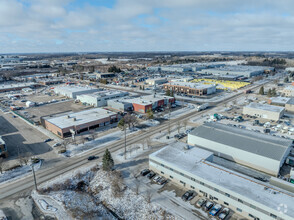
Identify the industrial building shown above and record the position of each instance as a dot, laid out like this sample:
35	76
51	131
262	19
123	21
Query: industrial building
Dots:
74	91
157	81
288	91
258	151
289	106
193	168
239	70
3	148
105	75
99	99
7	87
141	104
79	122
264	111
196	89
278	101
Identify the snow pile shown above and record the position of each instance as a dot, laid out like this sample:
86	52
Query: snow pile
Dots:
2	215
18	172
151	123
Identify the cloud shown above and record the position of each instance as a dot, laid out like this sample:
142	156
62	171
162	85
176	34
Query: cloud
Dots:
139	25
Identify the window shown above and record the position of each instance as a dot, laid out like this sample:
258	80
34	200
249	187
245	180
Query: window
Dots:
193	179
239	200
162	165
171	177
228	195
171	169
215	198
192	187
182	182
162	172
58	133
202	183
272	215
216	190
182	174
226	203
239	210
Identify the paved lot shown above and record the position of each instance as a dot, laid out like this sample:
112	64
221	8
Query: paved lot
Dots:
21	137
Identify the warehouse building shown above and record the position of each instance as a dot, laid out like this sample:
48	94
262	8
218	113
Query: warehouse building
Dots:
7	87
3	148
142	104
196	89
105	75
290	105
157	81
278	101
288	91
100	98
258	151
74	91
192	168
79	122
239	70
120	105
265	111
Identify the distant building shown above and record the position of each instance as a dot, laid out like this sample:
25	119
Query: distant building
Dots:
265	111
239	70
279	101
196	89
193	168
289	106
156	81
142	104
288	91
74	91
105	75
6	87
120	105
79	122
258	151
3	148
100	98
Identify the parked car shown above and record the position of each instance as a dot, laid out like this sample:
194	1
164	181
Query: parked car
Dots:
208	205
48	140
145	172
190	194
156	179
162	180
224	213
200	202
150	175
56	145
93	157
215	209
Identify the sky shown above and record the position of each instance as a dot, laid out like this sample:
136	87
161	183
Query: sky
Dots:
31	26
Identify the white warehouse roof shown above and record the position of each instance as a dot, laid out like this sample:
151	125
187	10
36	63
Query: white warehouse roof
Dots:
192	162
79	118
265	107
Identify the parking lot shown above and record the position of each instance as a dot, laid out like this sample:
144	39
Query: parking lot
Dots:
20	137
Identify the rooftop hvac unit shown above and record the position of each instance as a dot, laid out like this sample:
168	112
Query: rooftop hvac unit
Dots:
74	119
67	116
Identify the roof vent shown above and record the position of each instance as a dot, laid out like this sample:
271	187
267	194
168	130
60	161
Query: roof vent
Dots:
74	119
67	116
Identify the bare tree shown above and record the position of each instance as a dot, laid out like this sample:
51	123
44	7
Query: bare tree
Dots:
82	140
130	120
92	134
149	196
2	165
185	123
26	157
137	187
64	144
116	184
179	126
148	142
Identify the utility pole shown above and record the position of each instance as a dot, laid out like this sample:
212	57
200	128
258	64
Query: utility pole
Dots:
169	107
34	177
125	130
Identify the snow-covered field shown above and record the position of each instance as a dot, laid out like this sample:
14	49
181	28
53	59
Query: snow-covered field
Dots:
19	172
94	194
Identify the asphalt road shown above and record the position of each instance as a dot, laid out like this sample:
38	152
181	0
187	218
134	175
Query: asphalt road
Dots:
13	189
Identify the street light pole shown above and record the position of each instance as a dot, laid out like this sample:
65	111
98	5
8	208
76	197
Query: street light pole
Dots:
34	177
125	130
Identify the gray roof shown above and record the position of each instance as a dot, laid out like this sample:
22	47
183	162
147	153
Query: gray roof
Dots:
291	101
246	140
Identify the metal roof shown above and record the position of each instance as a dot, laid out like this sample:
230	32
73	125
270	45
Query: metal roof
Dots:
246	140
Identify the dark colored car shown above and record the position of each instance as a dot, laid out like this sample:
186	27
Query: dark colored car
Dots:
150	175
47	140
224	213
190	194
93	157
145	172
162	181
208	205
